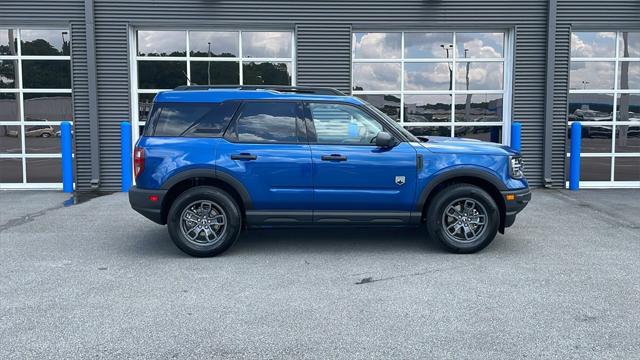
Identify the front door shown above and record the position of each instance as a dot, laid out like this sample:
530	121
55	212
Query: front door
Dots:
266	150
350	173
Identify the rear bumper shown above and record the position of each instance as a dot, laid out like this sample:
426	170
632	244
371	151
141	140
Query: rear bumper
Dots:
520	200
140	202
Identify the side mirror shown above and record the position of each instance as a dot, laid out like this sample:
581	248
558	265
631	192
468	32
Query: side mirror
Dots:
385	140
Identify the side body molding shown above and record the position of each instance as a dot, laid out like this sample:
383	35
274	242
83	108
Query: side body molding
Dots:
211	174
445	175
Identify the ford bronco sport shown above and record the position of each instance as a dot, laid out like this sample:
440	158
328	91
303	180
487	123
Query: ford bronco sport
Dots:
214	160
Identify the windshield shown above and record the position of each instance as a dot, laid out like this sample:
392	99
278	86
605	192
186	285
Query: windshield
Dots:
392	122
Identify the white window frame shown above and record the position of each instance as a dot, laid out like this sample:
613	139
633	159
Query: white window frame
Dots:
617	59
507	62
21	123
134	58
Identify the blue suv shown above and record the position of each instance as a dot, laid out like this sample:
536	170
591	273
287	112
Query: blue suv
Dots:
214	160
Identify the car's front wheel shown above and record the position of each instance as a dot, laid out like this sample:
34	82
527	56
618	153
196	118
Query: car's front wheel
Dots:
463	217
204	221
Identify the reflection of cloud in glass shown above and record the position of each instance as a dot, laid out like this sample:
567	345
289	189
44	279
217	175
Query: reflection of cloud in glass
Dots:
7	42
427	76
266	44
593	44
222	43
162	43
591	75
629	75
479	45
376	76
632	44
482	76
377	45
267	128
426	45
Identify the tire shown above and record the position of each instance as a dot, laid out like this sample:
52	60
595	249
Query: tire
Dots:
45	135
451	211
208	208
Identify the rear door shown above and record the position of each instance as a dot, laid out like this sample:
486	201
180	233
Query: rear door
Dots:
351	174
266	149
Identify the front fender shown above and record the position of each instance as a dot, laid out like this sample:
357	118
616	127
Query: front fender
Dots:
459	171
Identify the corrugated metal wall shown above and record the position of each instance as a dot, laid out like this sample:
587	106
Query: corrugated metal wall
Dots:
323	52
323	47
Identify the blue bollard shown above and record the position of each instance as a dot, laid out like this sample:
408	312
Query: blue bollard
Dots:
125	155
574	160
67	157
516	134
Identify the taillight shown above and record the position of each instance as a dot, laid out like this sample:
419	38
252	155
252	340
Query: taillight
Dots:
138	161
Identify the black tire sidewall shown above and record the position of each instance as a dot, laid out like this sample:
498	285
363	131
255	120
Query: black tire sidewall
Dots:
448	195
221	198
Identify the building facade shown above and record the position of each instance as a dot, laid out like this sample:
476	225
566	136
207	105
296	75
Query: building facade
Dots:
447	67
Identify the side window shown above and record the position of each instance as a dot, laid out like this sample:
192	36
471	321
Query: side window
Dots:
268	122
343	124
191	119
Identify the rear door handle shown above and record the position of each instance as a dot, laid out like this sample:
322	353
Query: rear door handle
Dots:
334	157
243	156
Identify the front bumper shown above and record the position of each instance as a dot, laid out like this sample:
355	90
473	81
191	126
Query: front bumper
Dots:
515	201
140	200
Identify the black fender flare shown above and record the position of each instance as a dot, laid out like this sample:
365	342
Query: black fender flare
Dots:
211	174
456	173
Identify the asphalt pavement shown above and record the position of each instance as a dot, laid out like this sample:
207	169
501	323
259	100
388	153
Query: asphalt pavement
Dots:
97	280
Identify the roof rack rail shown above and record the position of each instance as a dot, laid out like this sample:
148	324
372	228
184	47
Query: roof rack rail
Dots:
288	89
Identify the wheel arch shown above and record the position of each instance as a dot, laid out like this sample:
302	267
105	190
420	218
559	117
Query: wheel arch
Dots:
201	177
480	178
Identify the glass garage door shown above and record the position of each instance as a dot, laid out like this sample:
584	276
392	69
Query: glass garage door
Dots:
35	96
604	95
437	83
166	59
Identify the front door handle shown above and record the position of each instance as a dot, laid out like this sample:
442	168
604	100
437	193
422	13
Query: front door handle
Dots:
334	157
243	156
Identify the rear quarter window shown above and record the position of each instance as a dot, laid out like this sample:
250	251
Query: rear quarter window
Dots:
190	119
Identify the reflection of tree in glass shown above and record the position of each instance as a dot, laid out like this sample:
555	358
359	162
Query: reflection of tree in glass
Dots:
161	74
43	47
173	53
46	74
211	54
266	74
219	73
7	73
9	48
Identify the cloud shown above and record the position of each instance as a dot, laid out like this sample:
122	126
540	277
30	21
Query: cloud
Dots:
377	45
377	76
591	75
482	76
427	76
271	44
591	44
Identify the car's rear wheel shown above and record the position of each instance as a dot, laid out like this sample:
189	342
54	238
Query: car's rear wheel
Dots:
463	217
204	221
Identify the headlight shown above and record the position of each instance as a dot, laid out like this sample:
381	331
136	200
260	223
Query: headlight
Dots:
516	166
